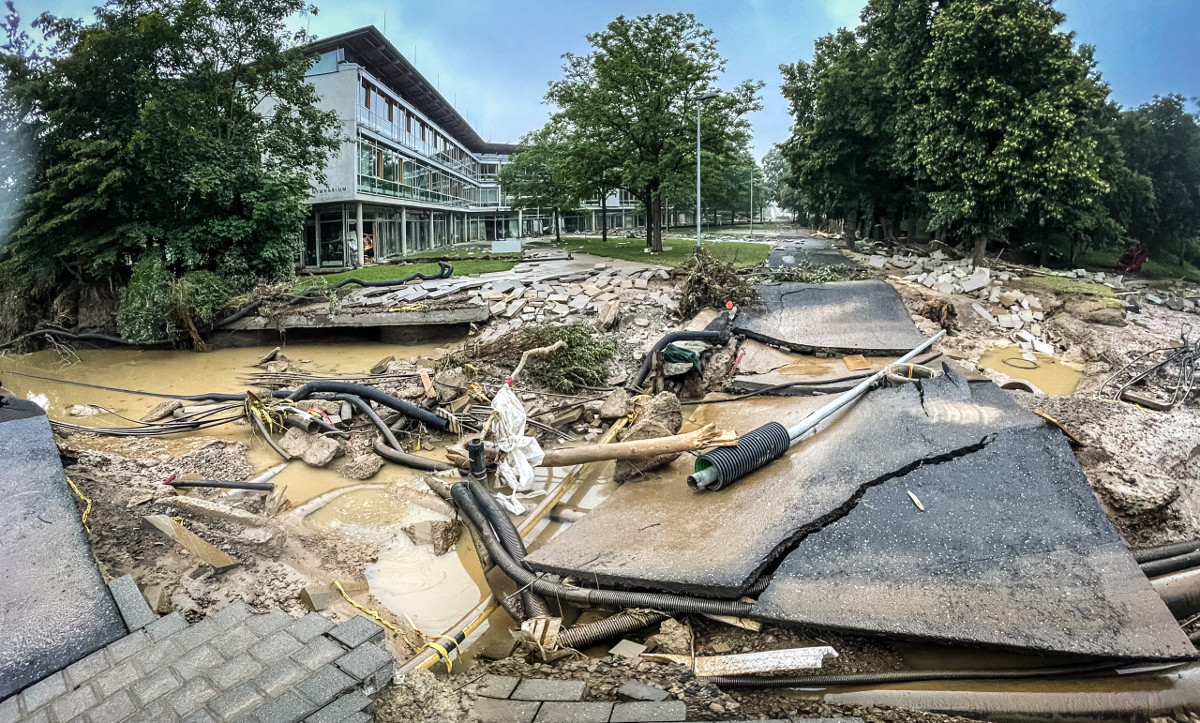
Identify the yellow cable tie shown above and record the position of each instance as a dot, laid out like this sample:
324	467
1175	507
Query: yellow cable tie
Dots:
368	611
86	509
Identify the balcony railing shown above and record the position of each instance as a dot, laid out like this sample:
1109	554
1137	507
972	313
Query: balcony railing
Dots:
381	125
371	184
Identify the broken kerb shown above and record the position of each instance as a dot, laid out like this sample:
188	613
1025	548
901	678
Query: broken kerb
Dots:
724	466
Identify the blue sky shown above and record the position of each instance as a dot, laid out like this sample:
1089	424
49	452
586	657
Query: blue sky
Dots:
494	59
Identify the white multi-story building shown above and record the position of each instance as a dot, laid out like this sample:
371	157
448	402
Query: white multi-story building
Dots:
412	174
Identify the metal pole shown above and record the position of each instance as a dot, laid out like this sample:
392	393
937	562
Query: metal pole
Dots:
698	102
751	200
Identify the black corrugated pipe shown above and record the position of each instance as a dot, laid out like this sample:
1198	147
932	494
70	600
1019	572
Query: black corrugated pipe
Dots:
1180	591
532	603
635	384
626	621
361	390
388	446
905	676
1162	566
1172	550
584	596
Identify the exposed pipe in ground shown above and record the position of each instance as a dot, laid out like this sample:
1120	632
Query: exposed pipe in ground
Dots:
411	410
1149	554
1180	591
635	383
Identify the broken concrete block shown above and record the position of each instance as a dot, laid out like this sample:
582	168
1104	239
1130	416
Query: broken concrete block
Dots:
1154	299
497	308
984	314
600	267
616	405
1042	347
641	284
362	467
1009	321
977	280
945	288
441	534
580	302
627	649
1010	297
515	308
608	315
876	262
315	449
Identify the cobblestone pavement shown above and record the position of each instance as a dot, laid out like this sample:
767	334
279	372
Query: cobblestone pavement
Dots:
234	665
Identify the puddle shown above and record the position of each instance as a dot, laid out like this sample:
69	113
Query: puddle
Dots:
433	592
188	373
1049	375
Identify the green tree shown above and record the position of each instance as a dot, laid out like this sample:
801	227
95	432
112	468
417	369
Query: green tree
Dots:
1161	141
636	91
184	130
1005	120
540	174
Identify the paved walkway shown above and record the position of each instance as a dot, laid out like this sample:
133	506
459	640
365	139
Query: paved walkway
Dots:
234	665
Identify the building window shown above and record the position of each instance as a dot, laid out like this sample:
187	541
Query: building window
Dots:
364	95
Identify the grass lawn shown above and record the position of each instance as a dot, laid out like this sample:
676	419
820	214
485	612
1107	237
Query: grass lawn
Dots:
1062	285
739	253
389	272
1152	269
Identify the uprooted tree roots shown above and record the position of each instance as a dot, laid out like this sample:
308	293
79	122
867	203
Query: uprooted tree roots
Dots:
711	283
582	361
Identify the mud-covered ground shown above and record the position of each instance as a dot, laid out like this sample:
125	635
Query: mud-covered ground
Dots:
1143	464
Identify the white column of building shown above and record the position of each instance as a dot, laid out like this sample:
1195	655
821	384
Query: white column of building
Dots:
403	231
520	224
361	243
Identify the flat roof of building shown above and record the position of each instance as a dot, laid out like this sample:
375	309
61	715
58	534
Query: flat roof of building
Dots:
370	48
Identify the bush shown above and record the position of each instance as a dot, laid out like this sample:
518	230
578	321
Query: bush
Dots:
584	361
158	307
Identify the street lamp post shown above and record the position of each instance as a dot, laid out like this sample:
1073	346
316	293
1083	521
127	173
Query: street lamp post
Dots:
699	101
751	200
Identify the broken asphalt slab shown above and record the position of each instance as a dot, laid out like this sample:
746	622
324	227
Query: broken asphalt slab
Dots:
717	544
857	317
55	608
806	252
1011	550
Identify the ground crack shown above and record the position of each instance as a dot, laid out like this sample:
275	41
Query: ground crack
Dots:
785	548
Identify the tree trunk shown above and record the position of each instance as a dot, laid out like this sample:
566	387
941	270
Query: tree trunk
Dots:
653	222
557	231
977	253
604	216
849	225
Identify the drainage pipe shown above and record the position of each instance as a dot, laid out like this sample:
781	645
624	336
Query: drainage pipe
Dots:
624	622
726	465
222	484
531	603
584	596
904	676
424	416
1180	591
1157	553
1162	566
718	337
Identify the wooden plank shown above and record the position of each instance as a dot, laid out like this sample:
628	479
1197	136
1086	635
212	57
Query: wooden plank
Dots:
428	383
174	529
856	363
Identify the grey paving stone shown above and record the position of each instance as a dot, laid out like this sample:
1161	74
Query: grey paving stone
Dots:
117	708
154	685
110	681
323	685
270	621
369	663
41	716
356	631
163	627
158	655
197	634
637	690
43	691
200	716
156	712
318	651
235	703
229	616
132	605
540	689
279	677
309	627
575	712
359	717
341	708
240	669
497	686
191	697
234	641
197	662
275	646
10	711
87	668
668	711
128	645
496	710
287	708
75	703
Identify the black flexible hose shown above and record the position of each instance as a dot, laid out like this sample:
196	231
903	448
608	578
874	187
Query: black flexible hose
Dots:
445	270
584	596
626	621
1165	565
222	484
905	676
531	603
411	460
427	418
1172	550
635	384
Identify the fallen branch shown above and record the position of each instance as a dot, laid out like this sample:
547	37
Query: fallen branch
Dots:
540	351
703	438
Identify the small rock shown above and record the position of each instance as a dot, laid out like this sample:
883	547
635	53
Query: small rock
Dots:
83	410
641	322
315	449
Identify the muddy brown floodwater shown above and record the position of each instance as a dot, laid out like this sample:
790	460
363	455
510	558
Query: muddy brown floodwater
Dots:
1044	372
